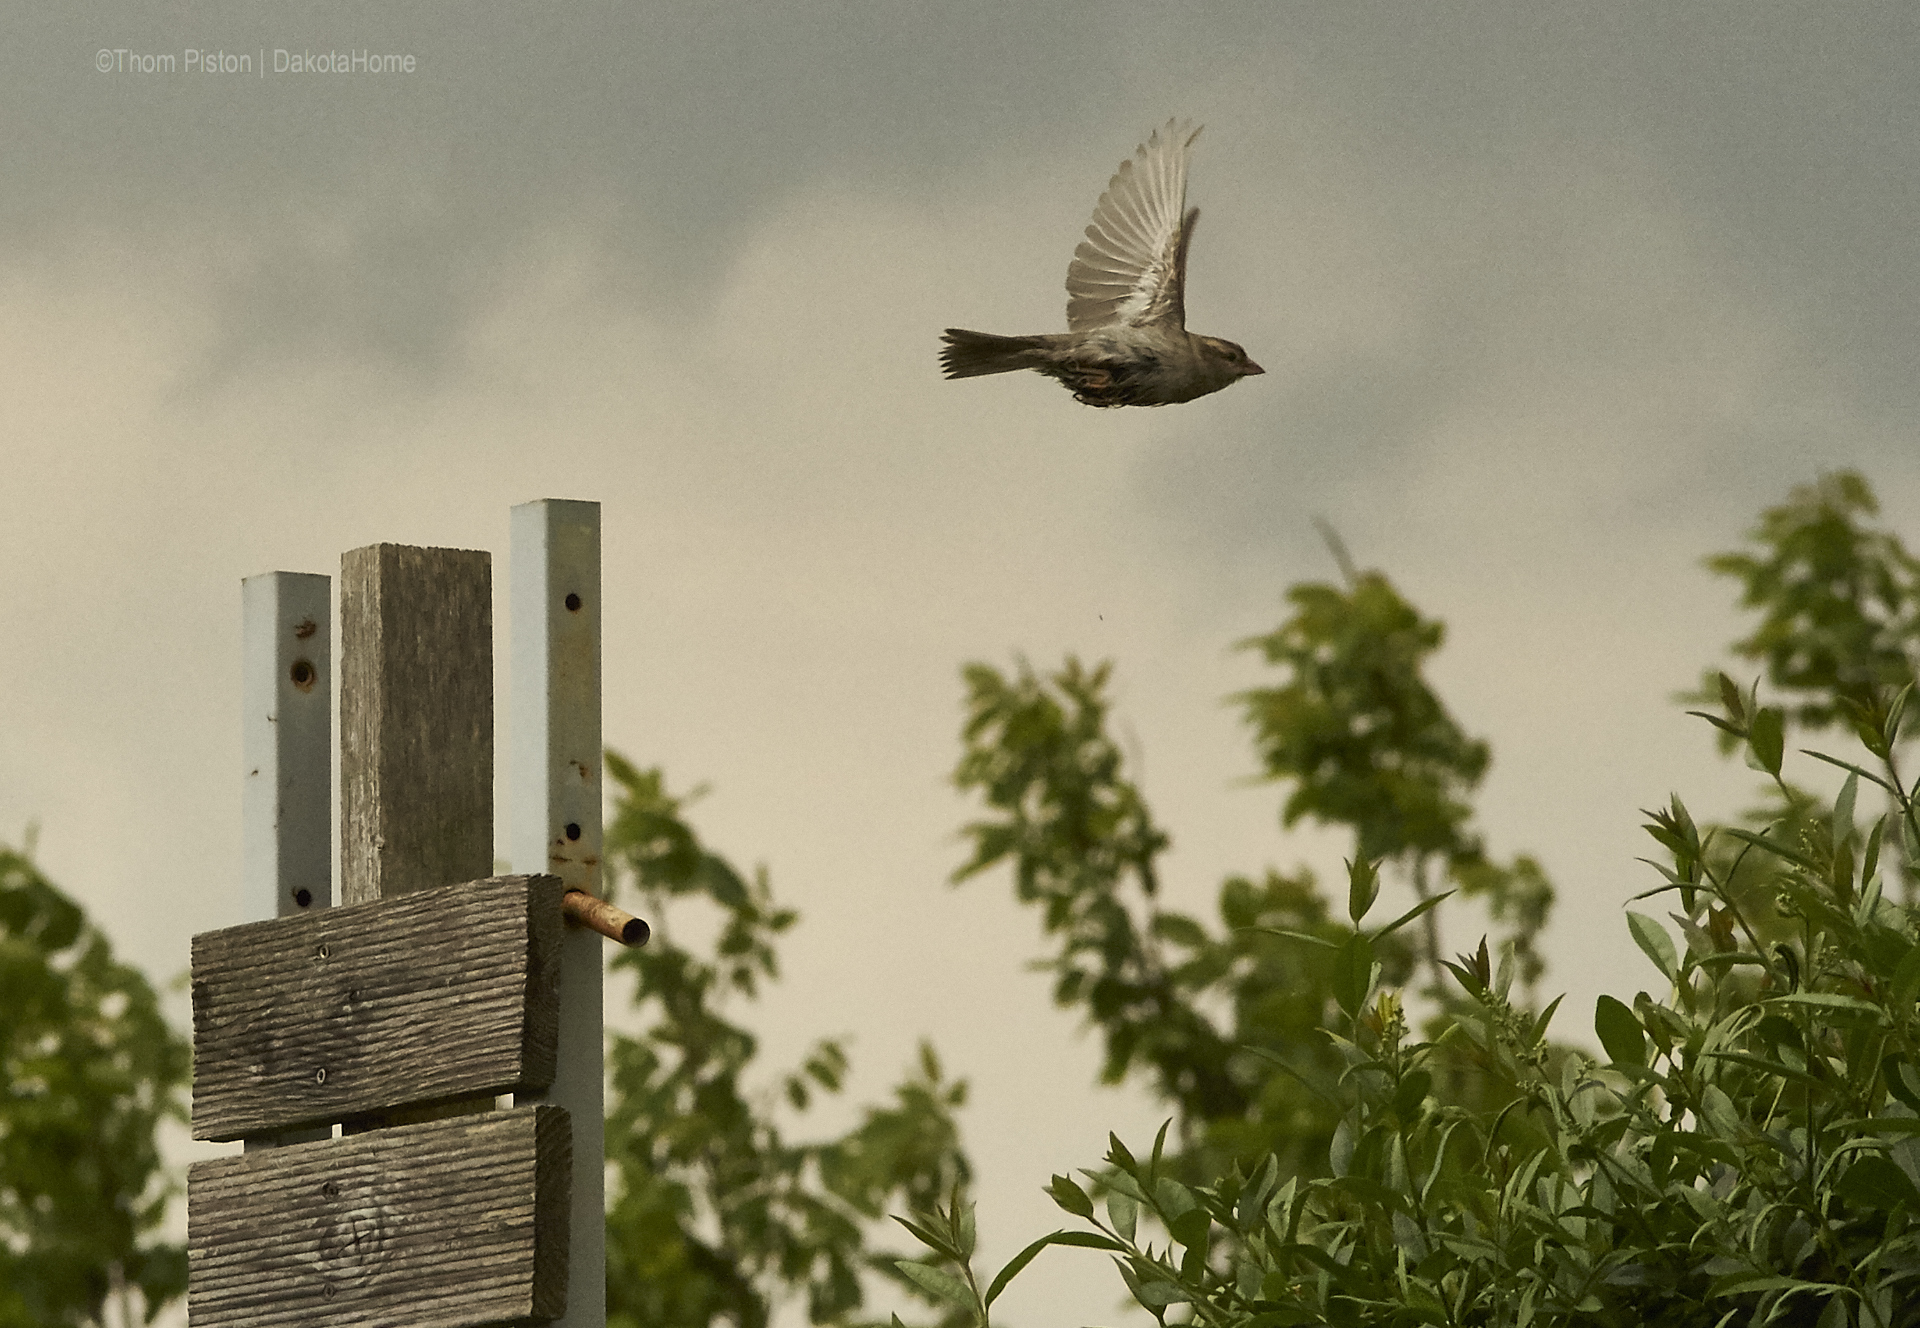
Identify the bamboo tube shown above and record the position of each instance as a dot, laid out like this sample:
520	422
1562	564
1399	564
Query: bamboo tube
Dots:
613	923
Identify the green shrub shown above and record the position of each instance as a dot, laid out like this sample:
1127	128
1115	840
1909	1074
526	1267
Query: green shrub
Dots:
1745	1152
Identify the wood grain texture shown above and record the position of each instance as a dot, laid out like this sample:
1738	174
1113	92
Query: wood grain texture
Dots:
416	719
336	1015
456	1224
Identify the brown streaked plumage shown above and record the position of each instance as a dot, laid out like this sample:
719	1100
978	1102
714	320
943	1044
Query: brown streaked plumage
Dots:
1126	342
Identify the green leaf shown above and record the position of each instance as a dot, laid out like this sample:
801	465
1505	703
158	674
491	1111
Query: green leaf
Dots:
1906	982
1764	1066
1014	1265
939	1283
1766	737
1353	973
1539	1028
1861	771
1363	887
1340	1149
1896	711
1878	1125
1192	1228
1653	940
1730	698
1620	1033
1843	810
1876	1181
1088	1240
1413	913
1740	1284
1123	1213
939	1244
1159	1148
1903	1081
1773	846
1830	1001
1291	934
1070	1197
1182	930
1871	862
1158	1295
1122	1182
1173	1199
1717	1110
1725	726
1413	1090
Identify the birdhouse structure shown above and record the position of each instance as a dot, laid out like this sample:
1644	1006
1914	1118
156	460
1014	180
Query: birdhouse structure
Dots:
417	1073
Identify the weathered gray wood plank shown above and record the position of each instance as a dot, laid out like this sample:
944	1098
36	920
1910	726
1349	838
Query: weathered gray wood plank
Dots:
416	719
436	995
454	1224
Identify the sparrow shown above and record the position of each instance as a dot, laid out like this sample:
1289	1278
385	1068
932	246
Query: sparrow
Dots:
1126	342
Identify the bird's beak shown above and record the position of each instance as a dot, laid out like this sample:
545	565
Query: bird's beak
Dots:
1251	369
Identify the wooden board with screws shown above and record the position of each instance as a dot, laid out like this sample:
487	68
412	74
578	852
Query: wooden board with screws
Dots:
435	995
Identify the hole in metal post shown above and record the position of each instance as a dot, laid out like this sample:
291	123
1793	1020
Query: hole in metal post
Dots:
303	897
303	674
573	830
573	602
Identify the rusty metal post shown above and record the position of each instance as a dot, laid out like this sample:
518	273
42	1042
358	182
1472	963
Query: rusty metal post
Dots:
554	612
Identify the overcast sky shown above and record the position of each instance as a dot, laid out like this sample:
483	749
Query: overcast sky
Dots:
1552	299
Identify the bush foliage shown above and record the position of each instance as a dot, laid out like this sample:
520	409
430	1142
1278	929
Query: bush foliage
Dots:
1746	1149
88	1070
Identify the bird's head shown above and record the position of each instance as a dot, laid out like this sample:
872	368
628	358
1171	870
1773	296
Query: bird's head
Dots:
1230	355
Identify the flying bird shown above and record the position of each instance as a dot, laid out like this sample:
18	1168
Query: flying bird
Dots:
1126	342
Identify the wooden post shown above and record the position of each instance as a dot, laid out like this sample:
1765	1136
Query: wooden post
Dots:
416	731
416	719
556	829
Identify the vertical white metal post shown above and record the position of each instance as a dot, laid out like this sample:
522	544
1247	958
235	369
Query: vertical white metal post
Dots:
286	741
554	613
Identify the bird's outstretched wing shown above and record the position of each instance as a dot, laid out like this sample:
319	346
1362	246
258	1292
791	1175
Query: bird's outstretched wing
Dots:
1132	267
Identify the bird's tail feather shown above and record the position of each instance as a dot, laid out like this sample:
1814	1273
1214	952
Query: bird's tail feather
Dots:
970	354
